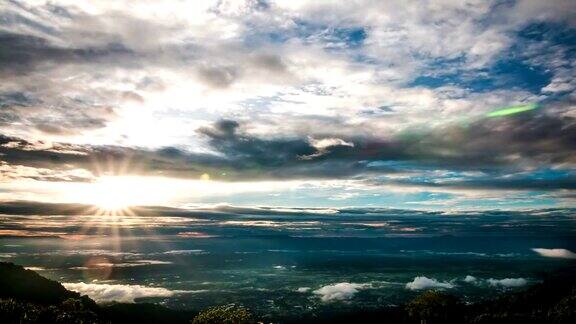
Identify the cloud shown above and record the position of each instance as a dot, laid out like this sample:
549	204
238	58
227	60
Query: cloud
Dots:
30	233
136	263
27	52
526	138
221	211
502	283
195	235
41	208
555	253
470	279
229	213
218	77
531	141
339	291
430	283
507	282
181	252
258	91
427	283
119	293
36	268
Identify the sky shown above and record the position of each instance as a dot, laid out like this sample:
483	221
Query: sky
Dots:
401	104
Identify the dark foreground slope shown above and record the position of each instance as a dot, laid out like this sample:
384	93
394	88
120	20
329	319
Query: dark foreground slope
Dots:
26	297
19	283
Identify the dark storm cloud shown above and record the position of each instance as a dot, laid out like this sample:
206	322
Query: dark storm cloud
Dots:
225	138
278	158
70	116
531	139
534	140
99	160
23	207
225	212
20	53
16	99
502	146
40	208
567	182
241	157
24	53
217	212
32	97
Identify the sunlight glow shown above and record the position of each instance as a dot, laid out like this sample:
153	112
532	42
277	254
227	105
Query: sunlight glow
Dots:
119	192
110	193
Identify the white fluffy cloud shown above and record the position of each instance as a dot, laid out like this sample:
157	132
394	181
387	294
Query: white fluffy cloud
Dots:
426	283
507	282
555	253
339	291
501	283
470	279
119	293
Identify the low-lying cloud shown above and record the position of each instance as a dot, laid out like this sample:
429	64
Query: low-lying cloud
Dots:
138	263
507	282
339	291
422	282
119	293
555	253
499	283
470	279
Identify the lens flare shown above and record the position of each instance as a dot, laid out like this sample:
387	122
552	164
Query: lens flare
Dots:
97	268
512	110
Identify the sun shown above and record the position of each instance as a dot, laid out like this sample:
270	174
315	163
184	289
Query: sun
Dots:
111	203
115	193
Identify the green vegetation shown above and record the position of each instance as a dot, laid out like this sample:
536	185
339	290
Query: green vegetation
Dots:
226	314
69	311
434	307
26	297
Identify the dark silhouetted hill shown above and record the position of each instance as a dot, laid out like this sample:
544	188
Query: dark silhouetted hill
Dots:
19	283
26	297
